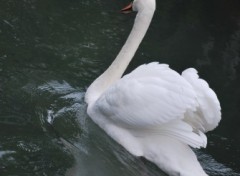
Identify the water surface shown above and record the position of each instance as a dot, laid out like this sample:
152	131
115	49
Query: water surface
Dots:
50	51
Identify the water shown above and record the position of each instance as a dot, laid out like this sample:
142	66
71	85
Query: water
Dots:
50	51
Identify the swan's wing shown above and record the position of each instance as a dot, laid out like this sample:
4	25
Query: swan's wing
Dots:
208	112
152	96
137	100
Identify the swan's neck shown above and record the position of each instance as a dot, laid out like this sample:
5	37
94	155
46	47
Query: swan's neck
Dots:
119	65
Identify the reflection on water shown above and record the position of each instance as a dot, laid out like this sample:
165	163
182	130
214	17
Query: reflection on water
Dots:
50	51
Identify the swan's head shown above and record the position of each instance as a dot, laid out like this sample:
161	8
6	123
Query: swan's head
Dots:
140	5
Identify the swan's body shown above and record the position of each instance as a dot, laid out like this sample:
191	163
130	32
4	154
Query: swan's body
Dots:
154	112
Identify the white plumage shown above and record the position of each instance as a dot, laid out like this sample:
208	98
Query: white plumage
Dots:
154	112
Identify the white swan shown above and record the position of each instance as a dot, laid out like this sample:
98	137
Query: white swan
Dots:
154	112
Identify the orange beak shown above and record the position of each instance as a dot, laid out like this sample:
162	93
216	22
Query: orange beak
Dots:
127	9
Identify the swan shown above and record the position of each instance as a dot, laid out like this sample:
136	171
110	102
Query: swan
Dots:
154	112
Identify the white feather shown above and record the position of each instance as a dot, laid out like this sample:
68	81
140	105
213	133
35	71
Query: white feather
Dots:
152	103
209	110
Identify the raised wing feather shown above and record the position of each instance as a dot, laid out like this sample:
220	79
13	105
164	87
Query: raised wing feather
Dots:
152	100
151	95
208	113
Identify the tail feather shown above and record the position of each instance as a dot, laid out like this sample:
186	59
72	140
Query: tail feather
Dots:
183	132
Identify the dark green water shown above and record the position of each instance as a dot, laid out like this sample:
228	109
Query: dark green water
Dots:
51	50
